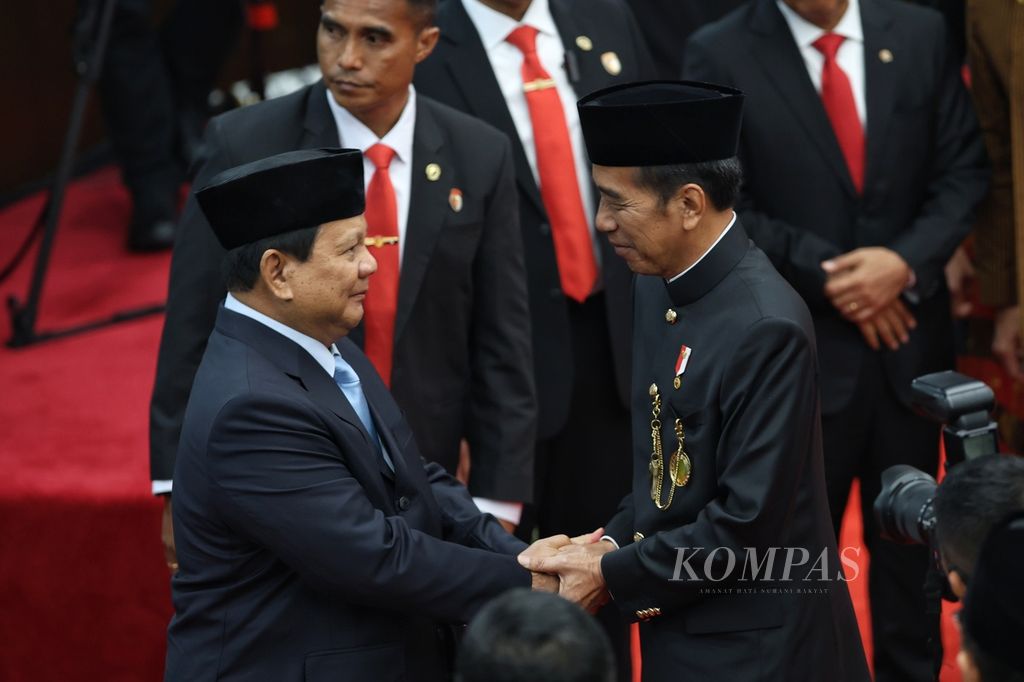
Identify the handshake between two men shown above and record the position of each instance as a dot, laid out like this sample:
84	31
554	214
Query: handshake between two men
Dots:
570	567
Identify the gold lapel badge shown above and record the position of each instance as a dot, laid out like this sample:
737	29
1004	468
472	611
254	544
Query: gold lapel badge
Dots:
379	241
671	316
433	172
455	199
584	43
885	55
610	62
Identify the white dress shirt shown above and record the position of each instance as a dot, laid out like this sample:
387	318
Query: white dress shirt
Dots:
507	62
850	56
353	134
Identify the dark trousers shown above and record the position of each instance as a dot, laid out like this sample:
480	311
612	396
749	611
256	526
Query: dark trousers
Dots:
872	433
152	79
583	472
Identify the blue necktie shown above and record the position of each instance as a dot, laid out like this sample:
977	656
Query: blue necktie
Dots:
348	382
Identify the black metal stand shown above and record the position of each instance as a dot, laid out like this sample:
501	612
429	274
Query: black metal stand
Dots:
93	33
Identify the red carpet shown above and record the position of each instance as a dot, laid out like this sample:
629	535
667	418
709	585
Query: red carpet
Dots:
85	593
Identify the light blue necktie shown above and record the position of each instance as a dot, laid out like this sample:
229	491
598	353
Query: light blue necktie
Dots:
348	382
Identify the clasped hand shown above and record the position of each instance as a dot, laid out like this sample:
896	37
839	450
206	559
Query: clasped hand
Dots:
865	286
570	566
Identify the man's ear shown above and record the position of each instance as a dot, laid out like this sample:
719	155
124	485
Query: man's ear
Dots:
691	203
274	272
426	42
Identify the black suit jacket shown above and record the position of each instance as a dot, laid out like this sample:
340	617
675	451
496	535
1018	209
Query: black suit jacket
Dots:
303	556
926	170
459	74
462	357
748	405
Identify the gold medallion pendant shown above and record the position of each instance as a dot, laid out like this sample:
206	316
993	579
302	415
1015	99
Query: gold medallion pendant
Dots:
679	466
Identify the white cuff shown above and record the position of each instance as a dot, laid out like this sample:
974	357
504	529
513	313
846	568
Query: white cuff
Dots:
162	487
505	511
610	539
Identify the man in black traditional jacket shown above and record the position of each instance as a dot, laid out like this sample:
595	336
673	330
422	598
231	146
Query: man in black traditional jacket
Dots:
724	551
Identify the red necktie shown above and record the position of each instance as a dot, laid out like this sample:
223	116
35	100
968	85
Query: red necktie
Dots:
556	165
837	96
382	297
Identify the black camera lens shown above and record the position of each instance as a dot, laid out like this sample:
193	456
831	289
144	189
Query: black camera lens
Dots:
904	507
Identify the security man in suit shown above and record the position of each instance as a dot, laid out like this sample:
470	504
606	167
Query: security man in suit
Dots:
520	65
315	542
447	325
724	550
863	165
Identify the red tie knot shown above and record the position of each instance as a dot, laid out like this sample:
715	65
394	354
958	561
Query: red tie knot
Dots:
380	155
828	44
524	38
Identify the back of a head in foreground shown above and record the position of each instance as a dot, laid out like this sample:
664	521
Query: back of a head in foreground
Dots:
526	636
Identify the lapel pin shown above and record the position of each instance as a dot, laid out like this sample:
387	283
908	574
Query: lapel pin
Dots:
681	362
433	172
455	199
885	55
584	43
610	62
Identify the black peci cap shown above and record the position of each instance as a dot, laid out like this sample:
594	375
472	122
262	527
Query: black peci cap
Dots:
282	193
659	123
993	613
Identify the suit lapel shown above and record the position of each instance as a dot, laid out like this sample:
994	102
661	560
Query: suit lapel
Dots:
775	51
590	76
320	128
470	69
428	208
879	82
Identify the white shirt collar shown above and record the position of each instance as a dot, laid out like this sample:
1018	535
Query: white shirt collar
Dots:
354	134
712	248
805	33
323	355
494	27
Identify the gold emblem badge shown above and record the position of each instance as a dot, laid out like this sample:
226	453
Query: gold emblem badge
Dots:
433	172
671	316
455	199
584	43
885	55
610	62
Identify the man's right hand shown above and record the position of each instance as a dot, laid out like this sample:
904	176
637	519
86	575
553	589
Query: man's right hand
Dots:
891	326
1006	341
167	535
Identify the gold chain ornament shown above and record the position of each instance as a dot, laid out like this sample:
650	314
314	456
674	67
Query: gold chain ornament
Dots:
679	463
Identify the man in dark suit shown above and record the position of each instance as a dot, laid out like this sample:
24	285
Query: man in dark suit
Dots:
724	549
315	542
862	166
460	362
580	332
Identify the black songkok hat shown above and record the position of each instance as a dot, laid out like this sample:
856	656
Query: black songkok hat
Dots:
660	123
993	613
282	193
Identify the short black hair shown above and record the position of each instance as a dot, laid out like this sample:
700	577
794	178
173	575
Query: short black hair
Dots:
424	11
973	497
720	180
527	636
241	266
990	668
